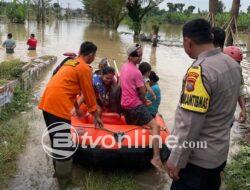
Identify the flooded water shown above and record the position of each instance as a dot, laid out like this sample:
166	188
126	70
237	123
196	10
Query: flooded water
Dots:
35	169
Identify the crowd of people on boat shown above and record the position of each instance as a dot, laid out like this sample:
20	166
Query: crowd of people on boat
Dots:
211	88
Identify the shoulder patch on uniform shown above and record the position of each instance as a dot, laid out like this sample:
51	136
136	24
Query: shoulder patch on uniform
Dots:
72	63
194	94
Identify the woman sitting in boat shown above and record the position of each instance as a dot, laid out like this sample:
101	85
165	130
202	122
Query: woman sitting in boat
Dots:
103	84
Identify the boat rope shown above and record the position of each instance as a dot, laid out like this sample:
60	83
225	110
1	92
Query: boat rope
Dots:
114	132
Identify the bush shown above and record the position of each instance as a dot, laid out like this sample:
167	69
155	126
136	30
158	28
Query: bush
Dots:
13	132
16	12
10	70
18	104
181	18
237	173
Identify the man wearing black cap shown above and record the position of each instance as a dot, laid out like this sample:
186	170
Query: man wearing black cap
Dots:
205	112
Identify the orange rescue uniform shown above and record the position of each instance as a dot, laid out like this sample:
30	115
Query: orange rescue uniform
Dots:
73	78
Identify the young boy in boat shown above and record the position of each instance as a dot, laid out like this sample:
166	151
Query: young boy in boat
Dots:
145	69
153	81
134	100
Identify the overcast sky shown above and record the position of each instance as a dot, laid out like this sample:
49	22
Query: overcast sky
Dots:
202	4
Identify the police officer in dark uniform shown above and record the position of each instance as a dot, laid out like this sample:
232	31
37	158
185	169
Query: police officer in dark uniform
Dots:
205	112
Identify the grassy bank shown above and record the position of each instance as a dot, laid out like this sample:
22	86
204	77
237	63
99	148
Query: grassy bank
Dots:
10	70
13	132
237	173
181	18
117	180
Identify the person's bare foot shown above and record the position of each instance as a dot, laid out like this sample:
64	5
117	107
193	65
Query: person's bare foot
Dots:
157	163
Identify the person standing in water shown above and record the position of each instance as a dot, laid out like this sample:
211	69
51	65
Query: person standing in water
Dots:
9	44
32	42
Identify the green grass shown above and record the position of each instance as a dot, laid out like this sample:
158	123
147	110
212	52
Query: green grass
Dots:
13	132
17	105
3	81
237	173
10	70
181	18
106	181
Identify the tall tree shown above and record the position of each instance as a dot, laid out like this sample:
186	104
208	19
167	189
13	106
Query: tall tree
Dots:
220	7
16	11
191	9
57	10
108	12
137	9
41	6
88	8
232	25
171	7
248	9
180	6
119	12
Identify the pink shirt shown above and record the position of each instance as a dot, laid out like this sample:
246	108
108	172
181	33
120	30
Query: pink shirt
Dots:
131	79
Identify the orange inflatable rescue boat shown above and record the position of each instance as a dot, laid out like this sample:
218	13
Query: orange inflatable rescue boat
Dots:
117	140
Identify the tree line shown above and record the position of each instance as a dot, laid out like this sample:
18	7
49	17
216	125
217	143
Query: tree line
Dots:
18	11
112	12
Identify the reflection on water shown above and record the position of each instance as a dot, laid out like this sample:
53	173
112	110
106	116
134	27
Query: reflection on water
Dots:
59	37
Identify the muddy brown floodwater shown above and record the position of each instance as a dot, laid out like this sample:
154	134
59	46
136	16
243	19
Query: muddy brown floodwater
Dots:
35	170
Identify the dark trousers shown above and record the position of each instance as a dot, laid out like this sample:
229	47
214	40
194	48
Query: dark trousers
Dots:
196	178
53	121
9	51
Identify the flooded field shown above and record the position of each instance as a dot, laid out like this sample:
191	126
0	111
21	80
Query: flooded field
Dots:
35	169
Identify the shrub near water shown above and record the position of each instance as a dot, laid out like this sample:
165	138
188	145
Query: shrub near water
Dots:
13	132
181	18
237	173
10	70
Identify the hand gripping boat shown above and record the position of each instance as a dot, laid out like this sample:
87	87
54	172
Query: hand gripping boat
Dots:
117	141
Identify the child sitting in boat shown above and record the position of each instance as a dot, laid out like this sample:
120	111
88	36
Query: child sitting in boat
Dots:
145	69
153	81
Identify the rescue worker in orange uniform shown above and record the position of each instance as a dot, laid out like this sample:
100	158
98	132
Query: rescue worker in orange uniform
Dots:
59	100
